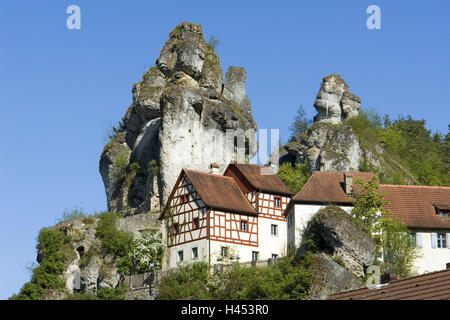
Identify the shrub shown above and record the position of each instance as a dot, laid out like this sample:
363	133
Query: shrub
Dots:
55	250
112	293
148	249
76	212
288	279
295	176
114	241
29	291
119	170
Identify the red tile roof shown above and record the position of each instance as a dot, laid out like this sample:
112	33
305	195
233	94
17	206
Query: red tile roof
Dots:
264	182
328	187
216	191
415	206
431	286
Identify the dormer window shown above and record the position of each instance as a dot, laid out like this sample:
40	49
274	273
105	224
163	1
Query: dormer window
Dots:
443	210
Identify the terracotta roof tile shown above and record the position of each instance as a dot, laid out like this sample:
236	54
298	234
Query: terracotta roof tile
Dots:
415	206
328	187
220	192
431	286
264	182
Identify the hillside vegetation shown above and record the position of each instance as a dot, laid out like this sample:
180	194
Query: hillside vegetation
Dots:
409	150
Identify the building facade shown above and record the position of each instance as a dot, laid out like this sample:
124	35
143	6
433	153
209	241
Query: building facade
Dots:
423	209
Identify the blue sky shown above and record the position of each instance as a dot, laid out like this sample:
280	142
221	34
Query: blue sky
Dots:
60	88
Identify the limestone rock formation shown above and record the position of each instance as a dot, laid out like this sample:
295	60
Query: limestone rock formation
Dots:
329	278
92	268
334	101
179	117
328	145
343	251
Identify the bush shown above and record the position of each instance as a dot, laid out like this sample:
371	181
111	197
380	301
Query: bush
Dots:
295	176
288	279
112	293
114	241
29	291
119	170
55	250
76	212
133	254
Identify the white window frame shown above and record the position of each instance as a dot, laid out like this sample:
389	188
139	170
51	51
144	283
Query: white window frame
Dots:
441	241
274	227
194	256
275	202
255	254
180	256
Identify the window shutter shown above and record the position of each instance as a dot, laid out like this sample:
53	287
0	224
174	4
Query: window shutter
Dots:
434	240
448	240
419	239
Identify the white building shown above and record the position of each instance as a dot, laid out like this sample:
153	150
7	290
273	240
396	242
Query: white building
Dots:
423	209
236	216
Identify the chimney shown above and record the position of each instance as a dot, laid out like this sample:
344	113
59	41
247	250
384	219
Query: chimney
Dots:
214	168
348	184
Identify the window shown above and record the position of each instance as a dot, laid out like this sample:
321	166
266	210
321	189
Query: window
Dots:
274	256
194	253
224	251
176	228
255	255
274	229
444	214
413	239
196	223
244	225
277	202
184	198
441	243
180	256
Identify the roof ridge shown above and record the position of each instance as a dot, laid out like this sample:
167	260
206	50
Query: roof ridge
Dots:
395	281
207	173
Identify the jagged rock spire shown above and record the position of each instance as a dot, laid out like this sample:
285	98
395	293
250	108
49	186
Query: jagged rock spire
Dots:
181	110
334	101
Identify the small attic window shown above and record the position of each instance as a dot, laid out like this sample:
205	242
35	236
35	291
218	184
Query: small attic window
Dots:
442	209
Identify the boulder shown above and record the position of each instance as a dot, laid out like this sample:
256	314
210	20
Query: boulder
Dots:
334	232
329	277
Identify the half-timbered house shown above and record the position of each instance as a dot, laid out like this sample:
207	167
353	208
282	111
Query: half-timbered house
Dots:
237	216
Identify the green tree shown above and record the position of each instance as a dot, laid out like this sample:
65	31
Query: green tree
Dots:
392	238
294	176
301	123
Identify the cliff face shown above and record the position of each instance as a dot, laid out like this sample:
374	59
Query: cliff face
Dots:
328	145
179	117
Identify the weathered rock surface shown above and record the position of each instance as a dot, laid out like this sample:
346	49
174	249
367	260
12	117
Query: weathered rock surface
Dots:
328	145
334	101
343	251
329	278
98	269
179	117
